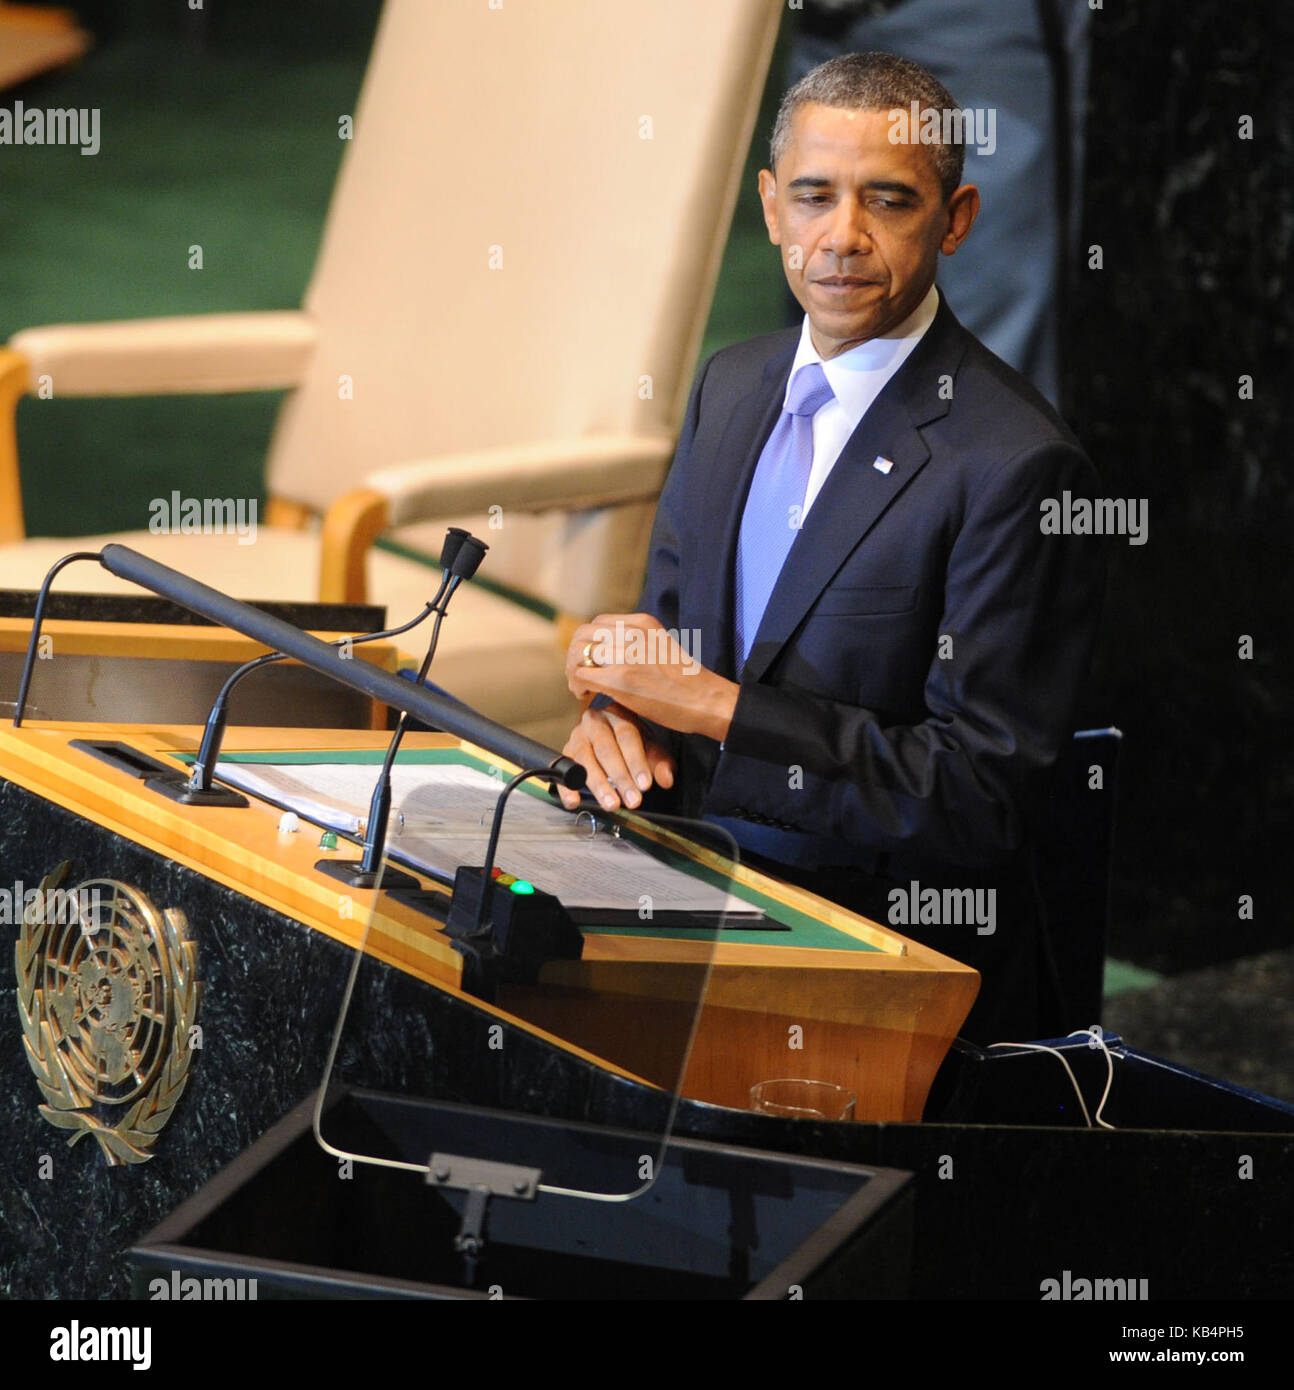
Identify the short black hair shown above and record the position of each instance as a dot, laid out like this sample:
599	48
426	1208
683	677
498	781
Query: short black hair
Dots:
872	82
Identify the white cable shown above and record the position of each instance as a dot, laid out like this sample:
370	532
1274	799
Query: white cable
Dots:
1095	1039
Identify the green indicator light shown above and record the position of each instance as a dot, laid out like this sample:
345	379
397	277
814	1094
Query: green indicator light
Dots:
521	886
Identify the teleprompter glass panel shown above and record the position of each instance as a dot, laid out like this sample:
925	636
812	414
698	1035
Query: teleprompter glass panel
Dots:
565	982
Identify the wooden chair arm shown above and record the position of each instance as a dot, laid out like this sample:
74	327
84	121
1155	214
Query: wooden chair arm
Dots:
15	381
350	526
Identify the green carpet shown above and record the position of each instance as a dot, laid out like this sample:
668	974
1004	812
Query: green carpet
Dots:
229	147
1122	977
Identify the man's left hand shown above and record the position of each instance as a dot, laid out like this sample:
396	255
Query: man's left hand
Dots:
643	667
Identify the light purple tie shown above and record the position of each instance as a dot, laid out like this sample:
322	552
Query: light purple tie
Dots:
775	502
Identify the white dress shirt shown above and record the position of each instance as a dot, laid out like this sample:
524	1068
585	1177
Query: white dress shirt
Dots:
857	378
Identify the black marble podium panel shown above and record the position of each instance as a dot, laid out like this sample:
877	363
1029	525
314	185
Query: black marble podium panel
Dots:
271	992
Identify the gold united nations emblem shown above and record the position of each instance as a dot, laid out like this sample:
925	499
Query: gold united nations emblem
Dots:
108	996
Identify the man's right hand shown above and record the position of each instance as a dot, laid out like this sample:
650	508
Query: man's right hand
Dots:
621	764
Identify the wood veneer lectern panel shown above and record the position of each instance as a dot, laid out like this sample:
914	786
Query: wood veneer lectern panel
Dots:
152	671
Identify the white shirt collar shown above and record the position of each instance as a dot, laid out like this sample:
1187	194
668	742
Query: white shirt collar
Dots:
858	376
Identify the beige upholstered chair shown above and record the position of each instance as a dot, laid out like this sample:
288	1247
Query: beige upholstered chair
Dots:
500	330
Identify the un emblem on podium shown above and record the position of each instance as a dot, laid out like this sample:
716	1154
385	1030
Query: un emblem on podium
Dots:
108	996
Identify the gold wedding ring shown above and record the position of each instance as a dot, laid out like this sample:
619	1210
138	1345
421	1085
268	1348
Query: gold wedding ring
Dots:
588	656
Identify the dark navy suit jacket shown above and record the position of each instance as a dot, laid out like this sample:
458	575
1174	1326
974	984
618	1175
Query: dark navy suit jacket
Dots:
916	671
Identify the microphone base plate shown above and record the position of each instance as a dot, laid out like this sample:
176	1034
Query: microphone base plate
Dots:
350	873
178	789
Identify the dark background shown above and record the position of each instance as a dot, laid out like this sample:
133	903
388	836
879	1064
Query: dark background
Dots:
220	128
1196	228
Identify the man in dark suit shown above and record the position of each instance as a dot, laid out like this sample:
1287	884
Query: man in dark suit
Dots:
870	651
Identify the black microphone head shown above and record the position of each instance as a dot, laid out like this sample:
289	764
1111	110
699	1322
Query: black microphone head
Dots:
468	560
454	539
569	773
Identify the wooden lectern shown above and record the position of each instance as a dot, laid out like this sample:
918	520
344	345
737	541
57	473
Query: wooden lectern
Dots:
834	997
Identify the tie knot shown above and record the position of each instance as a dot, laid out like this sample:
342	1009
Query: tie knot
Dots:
809	391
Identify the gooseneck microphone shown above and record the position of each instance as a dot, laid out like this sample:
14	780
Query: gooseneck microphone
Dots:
421	704
200	789
464	561
38	617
